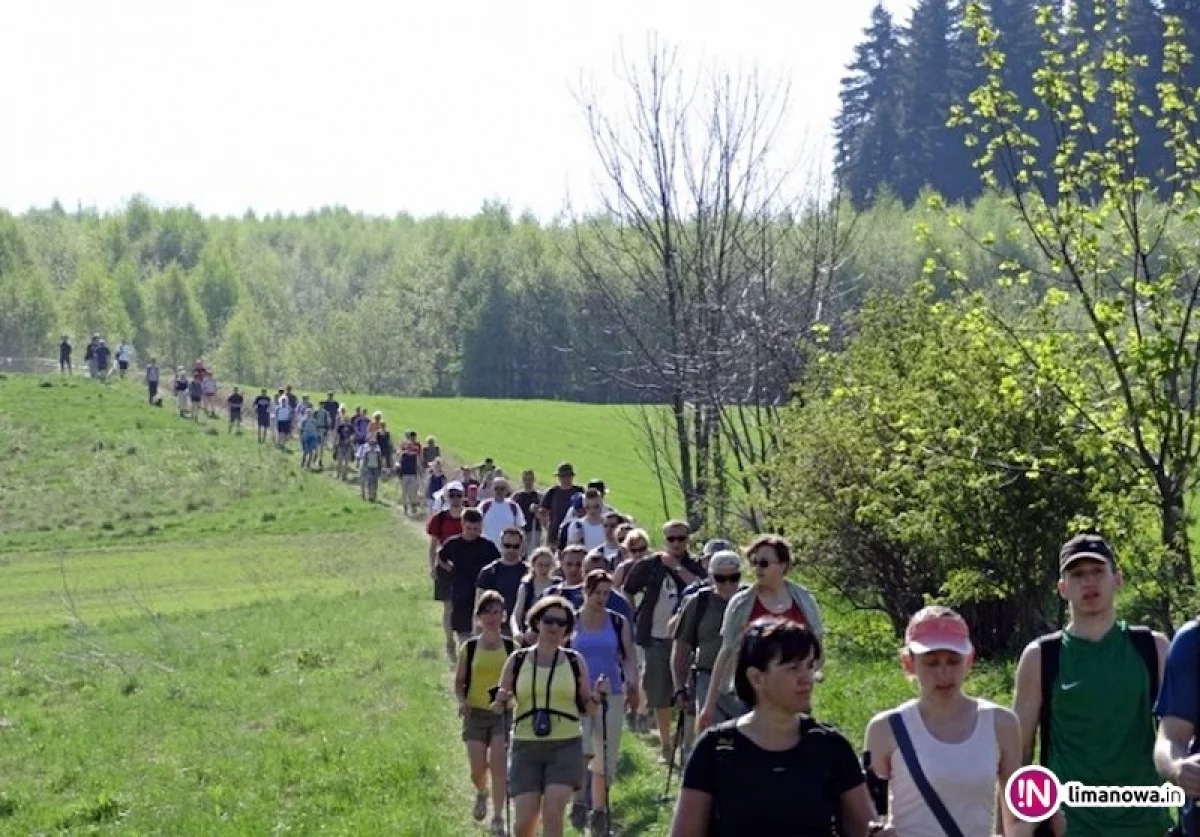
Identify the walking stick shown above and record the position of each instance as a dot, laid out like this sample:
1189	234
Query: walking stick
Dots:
608	806
678	740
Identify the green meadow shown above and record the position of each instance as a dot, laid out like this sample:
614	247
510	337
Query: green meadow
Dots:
200	638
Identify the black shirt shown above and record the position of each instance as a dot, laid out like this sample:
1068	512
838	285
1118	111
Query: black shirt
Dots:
332	408
64	350
467	558
262	405
505	579
794	793
557	501
235	402
528	502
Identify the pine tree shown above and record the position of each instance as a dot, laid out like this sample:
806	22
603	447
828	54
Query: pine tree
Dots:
868	125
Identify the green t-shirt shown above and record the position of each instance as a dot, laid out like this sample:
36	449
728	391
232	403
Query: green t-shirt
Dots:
703	634
1102	731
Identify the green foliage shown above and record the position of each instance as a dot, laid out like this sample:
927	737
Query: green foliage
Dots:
179	321
93	305
28	313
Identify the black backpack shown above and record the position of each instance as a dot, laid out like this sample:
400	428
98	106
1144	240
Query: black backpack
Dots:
472	644
1051	648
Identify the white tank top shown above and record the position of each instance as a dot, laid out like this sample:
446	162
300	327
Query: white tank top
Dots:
964	776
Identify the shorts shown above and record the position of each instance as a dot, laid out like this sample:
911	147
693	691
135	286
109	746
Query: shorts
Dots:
728	704
462	615
310	442
123	364
534	766
484	725
284	427
264	420
593	737
656	678
235	416
441	585
195	399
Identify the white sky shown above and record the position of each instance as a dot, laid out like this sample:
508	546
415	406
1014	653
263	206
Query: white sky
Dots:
382	106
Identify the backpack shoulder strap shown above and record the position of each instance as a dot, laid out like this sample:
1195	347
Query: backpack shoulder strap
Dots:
472	644
617	620
485	505
1147	648
573	656
936	806
509	645
1051	647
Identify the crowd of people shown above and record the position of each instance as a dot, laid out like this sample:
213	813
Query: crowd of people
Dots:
567	624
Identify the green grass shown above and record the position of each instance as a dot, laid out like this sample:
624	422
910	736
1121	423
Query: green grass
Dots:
599	440
199	638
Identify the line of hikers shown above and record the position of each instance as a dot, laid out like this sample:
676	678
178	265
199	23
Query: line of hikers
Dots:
561	641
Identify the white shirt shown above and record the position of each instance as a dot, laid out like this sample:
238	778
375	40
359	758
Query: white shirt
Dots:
123	353
498	516
591	535
664	608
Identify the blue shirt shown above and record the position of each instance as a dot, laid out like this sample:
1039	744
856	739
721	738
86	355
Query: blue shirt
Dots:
616	602
601	652
1179	695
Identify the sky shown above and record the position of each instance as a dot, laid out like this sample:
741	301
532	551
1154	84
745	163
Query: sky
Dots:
381	106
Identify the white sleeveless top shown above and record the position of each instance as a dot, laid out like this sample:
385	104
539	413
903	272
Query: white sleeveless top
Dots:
964	776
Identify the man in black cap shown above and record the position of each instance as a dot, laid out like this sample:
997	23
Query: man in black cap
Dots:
556	502
1087	692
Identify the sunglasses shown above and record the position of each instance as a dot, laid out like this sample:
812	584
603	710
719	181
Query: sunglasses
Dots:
727	579
512	546
636	550
676	538
555	621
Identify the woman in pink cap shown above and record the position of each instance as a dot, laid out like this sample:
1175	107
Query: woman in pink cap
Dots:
944	753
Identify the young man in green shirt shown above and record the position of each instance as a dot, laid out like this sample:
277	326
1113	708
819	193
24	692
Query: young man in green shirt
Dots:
1100	675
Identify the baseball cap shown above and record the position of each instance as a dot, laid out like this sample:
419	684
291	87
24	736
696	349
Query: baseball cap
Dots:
565	468
454	486
598	484
577	502
724	559
939	633
1085	547
714	546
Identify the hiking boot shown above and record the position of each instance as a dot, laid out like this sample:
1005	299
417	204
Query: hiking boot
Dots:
498	829
480	809
599	823
579	816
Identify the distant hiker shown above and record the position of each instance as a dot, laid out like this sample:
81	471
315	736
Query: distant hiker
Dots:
556	502
152	380
534	585
370	459
89	355
434	484
102	357
430	452
64	356
181	392
387	445
528	499
409	469
195	394
332	408
487	472
588	531
343	450
361	424
292	399
262	411
463	557
1086	693
310	439
323	421
500	513
302	410
444	525
208	386
481	660
283	421
235	402
124	355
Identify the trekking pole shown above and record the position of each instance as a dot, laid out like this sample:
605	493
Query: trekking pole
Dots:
666	798
608	806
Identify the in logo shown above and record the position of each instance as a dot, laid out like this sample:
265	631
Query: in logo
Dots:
1033	793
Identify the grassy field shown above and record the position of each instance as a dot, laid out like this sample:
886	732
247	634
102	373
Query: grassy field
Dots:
199	638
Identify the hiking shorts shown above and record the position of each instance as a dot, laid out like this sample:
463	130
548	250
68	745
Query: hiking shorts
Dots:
604	763
124	364
310	442
656	679
462	615
264	420
441	585
235	415
485	725
284	427
195	399
534	766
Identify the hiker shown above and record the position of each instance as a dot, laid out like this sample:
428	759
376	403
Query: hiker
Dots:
528	499
370	459
283	420
292	399
124	355
573	561
552	689
1086	693
181	392
409	469
499	512
301	411
605	640
635	547
89	355
384	437
533	586
235	402
434	484
505	575
611	548
481	660
556	502
208	386
771	594
659	580
487	472
152	380
102	357
195	394
966	747
310	438
775	770
710	548
262	410
589	530
697	635
64	356
1178	710
464	556
322	422
442	526
343	450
